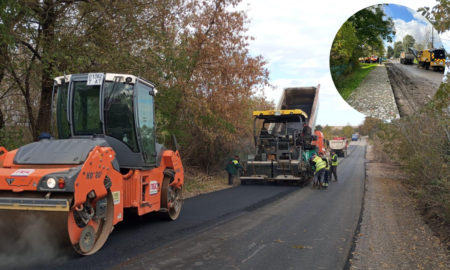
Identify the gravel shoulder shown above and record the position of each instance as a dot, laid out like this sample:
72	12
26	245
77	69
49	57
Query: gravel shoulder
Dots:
374	96
392	234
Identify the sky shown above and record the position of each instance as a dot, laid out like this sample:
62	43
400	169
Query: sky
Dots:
295	38
409	22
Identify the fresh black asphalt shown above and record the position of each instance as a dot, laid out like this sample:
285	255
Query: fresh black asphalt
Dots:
306	229
136	235
310	228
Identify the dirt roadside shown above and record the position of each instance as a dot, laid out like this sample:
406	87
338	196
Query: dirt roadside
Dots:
392	234
198	182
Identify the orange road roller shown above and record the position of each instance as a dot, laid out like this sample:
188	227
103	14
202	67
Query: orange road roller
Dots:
105	159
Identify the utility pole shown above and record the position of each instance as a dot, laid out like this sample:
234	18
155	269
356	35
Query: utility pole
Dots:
432	37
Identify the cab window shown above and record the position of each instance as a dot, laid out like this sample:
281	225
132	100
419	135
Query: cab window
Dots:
86	109
145	121
119	118
61	111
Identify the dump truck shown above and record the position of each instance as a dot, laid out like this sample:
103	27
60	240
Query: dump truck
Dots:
339	145
406	58
284	139
434	58
104	159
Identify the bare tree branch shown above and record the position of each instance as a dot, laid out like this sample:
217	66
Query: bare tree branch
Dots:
33	50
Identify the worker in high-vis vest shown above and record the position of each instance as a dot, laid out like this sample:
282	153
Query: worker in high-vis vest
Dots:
334	164
326	177
232	169
319	171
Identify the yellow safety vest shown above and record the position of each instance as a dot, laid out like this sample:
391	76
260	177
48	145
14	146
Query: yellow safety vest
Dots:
235	162
334	163
328	164
320	164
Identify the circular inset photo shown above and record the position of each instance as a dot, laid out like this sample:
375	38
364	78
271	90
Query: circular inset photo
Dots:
387	61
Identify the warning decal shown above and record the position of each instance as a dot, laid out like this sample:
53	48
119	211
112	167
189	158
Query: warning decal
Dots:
116	197
154	187
23	172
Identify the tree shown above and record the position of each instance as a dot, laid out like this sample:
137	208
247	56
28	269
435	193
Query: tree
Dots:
438	15
2	121
408	42
370	126
347	131
343	55
398	48
371	23
328	132
419	46
362	34
390	52
38	34
378	48
196	52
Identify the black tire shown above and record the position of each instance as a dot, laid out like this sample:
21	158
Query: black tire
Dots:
171	200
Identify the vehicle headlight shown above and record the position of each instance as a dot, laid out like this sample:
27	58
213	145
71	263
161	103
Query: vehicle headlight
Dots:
51	182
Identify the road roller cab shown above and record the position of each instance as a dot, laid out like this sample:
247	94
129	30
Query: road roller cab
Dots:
104	158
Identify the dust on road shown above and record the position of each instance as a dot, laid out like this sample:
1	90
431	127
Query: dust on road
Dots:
32	239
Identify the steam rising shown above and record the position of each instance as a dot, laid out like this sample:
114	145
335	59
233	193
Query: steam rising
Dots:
31	239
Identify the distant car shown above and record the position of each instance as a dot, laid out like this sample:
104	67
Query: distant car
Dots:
355	137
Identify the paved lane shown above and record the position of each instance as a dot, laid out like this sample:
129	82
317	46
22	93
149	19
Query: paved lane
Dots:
136	235
307	229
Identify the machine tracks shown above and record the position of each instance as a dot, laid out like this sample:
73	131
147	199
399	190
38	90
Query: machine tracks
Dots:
411	91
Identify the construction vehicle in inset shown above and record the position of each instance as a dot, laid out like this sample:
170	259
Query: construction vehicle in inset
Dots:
339	146
106	159
434	58
284	139
406	58
373	59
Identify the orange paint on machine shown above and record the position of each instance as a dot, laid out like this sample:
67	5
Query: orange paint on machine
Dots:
104	159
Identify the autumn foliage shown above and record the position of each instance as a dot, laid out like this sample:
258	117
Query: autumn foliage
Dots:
196	52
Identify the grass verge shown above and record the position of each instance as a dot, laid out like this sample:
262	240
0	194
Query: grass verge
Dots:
347	84
197	182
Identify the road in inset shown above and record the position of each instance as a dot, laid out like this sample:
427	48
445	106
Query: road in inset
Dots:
413	86
307	229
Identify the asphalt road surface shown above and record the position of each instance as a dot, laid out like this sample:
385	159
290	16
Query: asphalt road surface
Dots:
247	227
434	77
